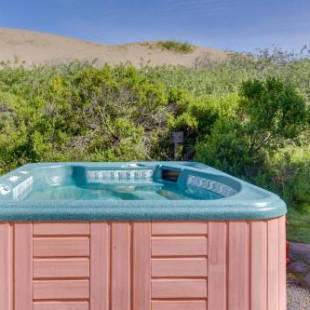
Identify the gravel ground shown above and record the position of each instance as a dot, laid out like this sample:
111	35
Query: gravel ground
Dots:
298	297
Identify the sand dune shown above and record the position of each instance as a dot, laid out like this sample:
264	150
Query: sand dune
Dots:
34	48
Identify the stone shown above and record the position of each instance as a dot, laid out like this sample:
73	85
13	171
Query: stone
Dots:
298	266
299	248
307	280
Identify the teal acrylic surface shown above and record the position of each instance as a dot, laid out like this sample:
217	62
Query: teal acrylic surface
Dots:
133	191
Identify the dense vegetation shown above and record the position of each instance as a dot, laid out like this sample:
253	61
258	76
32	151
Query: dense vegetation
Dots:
248	116
176	46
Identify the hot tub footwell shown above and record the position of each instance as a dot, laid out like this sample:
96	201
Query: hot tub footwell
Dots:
233	265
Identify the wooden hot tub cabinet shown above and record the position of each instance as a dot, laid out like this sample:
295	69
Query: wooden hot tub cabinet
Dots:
229	265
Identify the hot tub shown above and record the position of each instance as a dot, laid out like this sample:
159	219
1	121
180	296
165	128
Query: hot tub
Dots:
139	236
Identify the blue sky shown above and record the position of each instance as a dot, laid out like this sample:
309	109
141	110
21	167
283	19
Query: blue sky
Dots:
242	25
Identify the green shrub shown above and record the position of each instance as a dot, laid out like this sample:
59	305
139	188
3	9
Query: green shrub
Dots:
175	46
79	113
270	115
290	172
272	110
248	116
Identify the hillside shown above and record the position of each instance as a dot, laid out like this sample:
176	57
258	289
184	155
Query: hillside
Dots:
34	48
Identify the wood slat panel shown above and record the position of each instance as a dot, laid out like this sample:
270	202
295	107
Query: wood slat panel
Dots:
64	229
180	305
179	228
217	265
23	266
179	267
60	289
61	305
141	266
238	278
179	288
259	265
273	265
282	262
179	246
6	267
61	247
61	268
248	257
121	266
99	266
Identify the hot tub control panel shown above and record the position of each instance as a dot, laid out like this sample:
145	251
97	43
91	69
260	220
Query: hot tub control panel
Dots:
16	186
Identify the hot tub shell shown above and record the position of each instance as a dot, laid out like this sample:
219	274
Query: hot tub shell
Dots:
141	261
